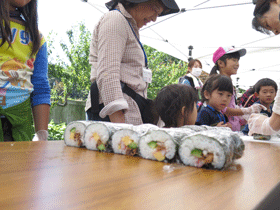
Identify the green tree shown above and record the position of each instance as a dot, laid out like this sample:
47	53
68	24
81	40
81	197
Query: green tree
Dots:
71	75
166	70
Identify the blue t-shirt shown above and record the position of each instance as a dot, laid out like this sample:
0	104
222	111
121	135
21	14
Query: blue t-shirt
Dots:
207	115
246	128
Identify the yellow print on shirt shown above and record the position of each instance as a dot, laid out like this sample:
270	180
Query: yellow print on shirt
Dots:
10	71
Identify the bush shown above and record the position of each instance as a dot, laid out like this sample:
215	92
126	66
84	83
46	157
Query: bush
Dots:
56	131
166	70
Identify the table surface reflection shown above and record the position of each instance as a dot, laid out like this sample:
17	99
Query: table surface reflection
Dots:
51	175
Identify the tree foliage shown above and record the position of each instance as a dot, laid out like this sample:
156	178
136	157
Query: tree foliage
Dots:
71	77
166	70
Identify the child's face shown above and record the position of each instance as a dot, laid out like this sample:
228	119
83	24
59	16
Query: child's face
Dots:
190	117
230	68
267	94
218	99
18	3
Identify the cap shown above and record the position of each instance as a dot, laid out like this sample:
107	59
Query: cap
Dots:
227	50
171	5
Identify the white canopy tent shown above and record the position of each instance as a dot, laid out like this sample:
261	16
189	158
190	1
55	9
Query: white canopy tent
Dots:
203	24
211	25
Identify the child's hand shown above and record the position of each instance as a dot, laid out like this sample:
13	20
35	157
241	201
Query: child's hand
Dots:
255	108
222	124
228	125
41	135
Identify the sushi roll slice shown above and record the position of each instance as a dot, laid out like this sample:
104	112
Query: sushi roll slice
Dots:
125	141
196	128
157	145
178	133
261	137
74	133
239	145
211	149
207	127
144	128
98	135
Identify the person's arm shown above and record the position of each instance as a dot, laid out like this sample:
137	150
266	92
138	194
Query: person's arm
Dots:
255	108
117	117
261	124
40	97
41	117
233	112
275	121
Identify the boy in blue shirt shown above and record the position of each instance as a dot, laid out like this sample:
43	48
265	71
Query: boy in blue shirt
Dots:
266	91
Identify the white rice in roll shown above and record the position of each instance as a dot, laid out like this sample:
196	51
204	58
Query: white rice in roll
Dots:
98	135
157	145
125	141
74	133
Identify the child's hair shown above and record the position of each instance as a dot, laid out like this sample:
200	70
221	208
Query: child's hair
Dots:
224	59
265	82
171	99
217	81
251	90
29	14
262	6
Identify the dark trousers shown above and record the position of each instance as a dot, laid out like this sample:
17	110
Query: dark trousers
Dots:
7	129
95	115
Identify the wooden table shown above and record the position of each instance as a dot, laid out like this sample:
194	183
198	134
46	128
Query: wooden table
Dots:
50	175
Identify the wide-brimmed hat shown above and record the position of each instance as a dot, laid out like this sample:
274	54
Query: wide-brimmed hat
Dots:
170	5
227	50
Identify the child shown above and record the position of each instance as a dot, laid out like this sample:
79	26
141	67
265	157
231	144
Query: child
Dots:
216	92
226	61
266	91
23	73
176	105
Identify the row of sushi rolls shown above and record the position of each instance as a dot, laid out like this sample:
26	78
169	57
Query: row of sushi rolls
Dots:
191	145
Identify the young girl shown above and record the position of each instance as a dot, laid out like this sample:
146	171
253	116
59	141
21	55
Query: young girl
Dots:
226	61
176	105
216	92
23	73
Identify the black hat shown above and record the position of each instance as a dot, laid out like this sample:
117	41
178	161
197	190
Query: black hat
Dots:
171	6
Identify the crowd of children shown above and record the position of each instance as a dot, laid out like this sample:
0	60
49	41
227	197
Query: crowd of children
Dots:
175	107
